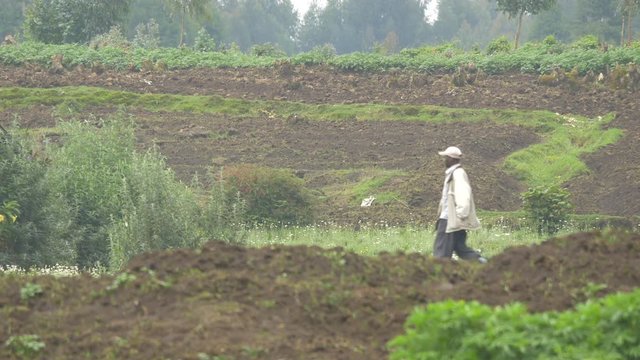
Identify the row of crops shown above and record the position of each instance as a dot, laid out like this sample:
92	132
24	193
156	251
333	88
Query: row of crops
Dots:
585	55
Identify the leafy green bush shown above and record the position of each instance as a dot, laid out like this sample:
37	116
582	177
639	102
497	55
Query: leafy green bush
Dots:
601	329
547	208
587	42
155	211
267	50
204	41
317	55
89	170
30	291
147	35
272	196
72	21
25	346
113	38
499	46
36	227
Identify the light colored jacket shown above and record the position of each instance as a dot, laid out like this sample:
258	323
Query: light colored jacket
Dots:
461	209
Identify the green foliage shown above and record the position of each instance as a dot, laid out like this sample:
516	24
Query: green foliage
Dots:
532	58
36	227
125	202
113	38
557	158
155	211
29	291
317	55
515	8
180	9
588	42
25	346
267	50
9	211
600	329
499	45
547	208
89	171
204	41
72	21
272	196
147	35
121	280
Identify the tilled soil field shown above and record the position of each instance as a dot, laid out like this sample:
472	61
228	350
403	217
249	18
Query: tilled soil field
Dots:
294	302
611	187
232	302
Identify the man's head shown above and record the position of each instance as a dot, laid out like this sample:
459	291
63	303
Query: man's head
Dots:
452	156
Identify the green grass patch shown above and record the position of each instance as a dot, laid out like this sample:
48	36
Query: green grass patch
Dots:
371	240
565	138
85	97
557	158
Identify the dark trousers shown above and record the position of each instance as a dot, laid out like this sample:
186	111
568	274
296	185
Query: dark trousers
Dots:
448	243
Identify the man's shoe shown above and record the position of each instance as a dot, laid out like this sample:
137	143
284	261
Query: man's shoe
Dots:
482	260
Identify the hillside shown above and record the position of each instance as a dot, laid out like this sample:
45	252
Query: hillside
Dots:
315	150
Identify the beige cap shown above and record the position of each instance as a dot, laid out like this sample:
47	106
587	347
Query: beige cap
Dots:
452	152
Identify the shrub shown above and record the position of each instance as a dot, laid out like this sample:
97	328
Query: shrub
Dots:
499	46
113	38
547	208
155	211
36	229
25	346
147	35
88	170
72	21
267	50
272	196
204	42
588	42
601	329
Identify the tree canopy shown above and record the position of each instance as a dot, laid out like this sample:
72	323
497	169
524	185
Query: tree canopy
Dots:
518	8
72	21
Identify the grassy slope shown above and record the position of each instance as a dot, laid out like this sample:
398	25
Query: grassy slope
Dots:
552	162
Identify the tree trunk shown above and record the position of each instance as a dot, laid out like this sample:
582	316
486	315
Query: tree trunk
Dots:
519	29
622	32
629	28
181	28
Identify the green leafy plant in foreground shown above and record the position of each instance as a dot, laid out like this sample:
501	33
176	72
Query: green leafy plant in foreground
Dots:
29	291
598	329
25	346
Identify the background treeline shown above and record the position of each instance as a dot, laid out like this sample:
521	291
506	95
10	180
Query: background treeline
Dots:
346	25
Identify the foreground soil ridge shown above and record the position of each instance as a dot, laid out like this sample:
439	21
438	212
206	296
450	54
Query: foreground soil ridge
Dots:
293	302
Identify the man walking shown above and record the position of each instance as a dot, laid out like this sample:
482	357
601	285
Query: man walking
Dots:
457	211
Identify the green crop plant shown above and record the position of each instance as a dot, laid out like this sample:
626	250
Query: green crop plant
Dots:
30	291
598	329
25	346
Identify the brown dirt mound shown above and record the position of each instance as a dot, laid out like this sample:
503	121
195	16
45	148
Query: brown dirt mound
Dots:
293	302
560	272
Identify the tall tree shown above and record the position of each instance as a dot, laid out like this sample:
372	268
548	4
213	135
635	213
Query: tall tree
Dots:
628	8
518	8
250	22
72	21
180	9
467	20
357	25
11	16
